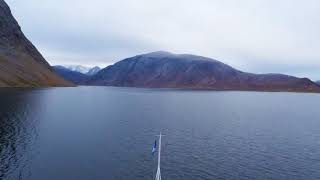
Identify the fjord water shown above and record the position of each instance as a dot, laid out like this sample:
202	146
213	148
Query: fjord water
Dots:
108	133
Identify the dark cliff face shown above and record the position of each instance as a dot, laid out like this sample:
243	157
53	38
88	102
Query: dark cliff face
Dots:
20	62
166	70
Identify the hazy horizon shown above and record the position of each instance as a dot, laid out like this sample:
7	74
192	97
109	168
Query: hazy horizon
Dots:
253	36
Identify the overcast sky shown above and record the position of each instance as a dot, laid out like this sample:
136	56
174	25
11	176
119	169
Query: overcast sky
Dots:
252	35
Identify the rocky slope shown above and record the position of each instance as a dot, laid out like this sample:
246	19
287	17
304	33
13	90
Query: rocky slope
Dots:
167	70
21	65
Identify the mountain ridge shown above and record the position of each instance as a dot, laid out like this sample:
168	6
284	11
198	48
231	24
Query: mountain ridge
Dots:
75	77
167	70
82	69
74	74
93	71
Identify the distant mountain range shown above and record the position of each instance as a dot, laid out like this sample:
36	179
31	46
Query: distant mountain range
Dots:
76	73
167	70
84	69
21	64
318	82
77	68
70	75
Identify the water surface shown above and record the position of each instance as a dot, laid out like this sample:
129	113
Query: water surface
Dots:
107	133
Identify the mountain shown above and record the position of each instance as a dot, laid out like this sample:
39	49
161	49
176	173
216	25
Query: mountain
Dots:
167	70
78	68
72	76
83	69
21	64
318	82
76	73
93	71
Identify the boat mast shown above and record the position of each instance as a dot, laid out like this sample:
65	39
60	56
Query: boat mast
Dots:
158	175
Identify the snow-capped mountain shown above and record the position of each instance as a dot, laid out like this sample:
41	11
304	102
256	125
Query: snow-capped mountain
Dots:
93	71
72	76
78	68
90	71
76	73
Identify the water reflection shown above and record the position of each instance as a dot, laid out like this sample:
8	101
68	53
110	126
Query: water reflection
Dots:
18	131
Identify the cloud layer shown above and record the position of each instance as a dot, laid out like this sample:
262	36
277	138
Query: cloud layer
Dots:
252	35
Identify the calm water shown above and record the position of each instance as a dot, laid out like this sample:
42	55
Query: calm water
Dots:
107	133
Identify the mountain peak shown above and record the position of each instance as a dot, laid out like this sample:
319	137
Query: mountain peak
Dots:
158	54
163	54
93	71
